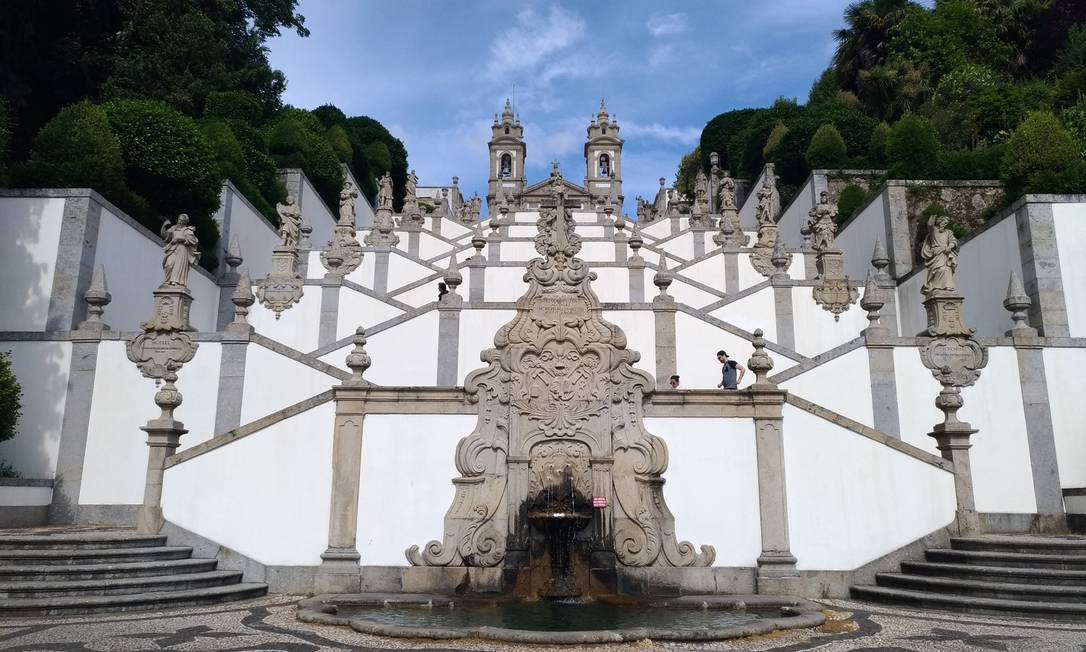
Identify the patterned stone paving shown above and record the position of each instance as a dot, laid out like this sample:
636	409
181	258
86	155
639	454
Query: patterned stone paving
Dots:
269	624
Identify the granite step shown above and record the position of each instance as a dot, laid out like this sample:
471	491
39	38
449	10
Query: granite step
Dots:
60	572
1014	559
79	541
1013	574
117	586
1031	544
984	589
94	555
968	604
151	600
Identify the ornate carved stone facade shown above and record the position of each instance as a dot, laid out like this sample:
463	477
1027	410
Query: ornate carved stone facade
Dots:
834	291
769	208
560	395
343	254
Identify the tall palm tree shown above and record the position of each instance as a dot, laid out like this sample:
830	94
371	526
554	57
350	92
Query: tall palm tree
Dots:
864	42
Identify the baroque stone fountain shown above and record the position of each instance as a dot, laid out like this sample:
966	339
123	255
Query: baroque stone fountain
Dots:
560	494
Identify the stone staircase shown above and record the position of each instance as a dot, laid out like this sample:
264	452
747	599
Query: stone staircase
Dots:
57	573
1025	575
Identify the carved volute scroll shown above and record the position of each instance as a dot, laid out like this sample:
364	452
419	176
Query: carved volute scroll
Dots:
559	396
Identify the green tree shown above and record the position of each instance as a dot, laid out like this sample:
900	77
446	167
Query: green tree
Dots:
11	394
950	36
773	141
890	90
827	149
912	149
687	173
233	106
864	42
297	139
876	149
341	144
825	88
720	135
850	200
1039	144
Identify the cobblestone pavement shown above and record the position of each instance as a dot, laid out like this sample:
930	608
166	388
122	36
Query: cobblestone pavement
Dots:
269	624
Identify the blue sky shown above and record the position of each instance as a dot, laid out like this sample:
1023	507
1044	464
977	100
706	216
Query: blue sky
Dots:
435	73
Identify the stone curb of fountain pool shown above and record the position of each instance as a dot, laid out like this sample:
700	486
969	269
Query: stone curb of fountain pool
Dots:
796	613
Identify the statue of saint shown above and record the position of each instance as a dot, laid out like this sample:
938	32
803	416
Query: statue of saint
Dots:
727	192
660	202
384	192
822	221
769	203
347	195
290	222
410	195
701	188
180	250
940	255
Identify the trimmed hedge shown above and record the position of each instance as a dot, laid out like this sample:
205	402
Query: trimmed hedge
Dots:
237	106
296	139
912	148
1039	144
827	149
852	197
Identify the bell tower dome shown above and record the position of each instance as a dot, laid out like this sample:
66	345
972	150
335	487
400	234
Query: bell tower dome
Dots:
507	154
603	157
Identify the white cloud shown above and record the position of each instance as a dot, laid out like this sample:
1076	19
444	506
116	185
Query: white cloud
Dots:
532	43
657	131
661	24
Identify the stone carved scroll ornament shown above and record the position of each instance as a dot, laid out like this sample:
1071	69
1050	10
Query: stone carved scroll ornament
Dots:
558	382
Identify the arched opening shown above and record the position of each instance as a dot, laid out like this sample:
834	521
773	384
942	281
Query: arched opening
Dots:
507	131
605	165
506	167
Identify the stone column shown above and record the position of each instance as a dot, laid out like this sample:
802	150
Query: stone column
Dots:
329	317
77	403
413	241
888	287
731	272
777	573
621	254
1041	269
880	357
494	250
163	438
448	327
663	308
380	268
74	262
699	241
782	297
235	348
1038	412
339	571
636	267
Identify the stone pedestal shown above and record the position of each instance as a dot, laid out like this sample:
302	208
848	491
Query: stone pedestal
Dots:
163	438
283	286
952	440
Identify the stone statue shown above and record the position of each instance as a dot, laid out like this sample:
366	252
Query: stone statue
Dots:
822	221
384	192
641	209
347	195
727	192
940	255
476	207
410	196
660	202
290	222
767	218
701	189
180	250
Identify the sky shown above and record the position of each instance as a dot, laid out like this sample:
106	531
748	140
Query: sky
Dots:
435	73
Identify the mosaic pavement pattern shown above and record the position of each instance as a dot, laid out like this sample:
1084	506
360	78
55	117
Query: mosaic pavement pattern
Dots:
269	624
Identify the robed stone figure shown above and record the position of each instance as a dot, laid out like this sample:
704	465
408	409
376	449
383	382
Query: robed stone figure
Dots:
180	249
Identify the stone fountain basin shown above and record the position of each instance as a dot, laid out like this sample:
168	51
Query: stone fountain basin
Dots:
687	618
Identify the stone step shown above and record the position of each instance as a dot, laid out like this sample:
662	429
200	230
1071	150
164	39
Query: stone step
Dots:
58	572
1049	576
984	589
80	541
131	602
969	604
101	555
1044	545
117	586
1015	559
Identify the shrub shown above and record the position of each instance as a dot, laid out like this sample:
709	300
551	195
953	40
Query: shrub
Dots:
168	162
876	149
231	161
77	149
827	149
233	106
1039	144
330	115
11	394
341	145
295	140
1074	120
380	159
979	163
1070	89
852	197
774	139
1070	180
912	148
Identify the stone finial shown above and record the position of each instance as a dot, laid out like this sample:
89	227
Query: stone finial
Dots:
635	241
478	240
233	254
781	260
358	361
456	181
494	223
872	301
168	398
242	299
620	223
714	159
880	261
452	277
663	277
1017	303
760	362
97	297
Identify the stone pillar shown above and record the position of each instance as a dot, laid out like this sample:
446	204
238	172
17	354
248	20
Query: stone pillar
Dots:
494	250
888	287
699	242
163	438
74	262
880	358
302	252
235	347
782	297
77	403
228	281
663	308
731	272
413	242
380	268
1041	269
621	254
1038	412
636	267
777	573
339	571
329	317
448	327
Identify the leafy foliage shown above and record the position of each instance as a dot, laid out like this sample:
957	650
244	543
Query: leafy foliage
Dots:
827	149
296	140
1039	144
11	394
850	200
911	148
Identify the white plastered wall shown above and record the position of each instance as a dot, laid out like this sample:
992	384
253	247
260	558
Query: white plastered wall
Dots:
1063	370
265	495
403	271
911	317
316	214
640	329
841	487
696	344
297	327
612	284
842	385
1070	226
816	331
477	329
424	444
709	272
256	237
752	312
985	264
686	293
265	390
794	215
357	309
405	355
712	485
857	239
504	283
31	227
41	368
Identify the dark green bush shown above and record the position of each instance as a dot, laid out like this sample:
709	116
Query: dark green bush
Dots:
168	163
296	139
11	406
341	145
230	157
912	149
876	148
77	149
1070	180
1070	89
827	149
259	166
850	200
233	106
1039	144
330	115
5	134
980	163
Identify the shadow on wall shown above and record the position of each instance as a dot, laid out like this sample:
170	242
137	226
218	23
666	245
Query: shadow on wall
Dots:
21	220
